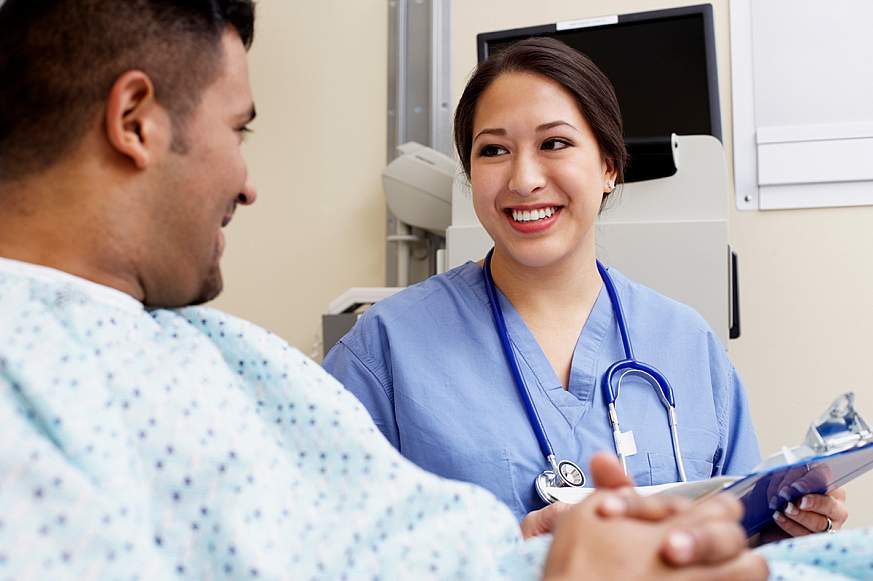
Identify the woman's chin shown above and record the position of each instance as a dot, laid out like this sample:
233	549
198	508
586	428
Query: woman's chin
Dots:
535	254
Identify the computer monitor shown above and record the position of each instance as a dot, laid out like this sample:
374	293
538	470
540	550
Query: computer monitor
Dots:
663	66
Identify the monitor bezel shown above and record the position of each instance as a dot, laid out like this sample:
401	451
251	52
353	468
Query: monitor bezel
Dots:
484	39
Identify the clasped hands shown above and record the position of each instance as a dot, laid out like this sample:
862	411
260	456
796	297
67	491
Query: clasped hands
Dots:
617	534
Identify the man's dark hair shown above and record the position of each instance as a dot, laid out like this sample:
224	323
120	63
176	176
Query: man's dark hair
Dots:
568	67
60	58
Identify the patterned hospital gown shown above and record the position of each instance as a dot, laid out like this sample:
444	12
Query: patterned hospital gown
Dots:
187	444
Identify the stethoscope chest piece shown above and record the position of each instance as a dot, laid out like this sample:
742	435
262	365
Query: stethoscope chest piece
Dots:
568	475
571	475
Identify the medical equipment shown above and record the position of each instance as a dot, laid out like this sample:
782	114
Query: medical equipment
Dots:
418	189
566	473
663	66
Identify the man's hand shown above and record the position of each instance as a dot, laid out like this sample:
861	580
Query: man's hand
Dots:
699	534
607	474
711	544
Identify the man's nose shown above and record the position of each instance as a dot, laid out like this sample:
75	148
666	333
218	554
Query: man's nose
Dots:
248	195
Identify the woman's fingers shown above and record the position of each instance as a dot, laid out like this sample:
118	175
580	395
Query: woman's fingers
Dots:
831	505
542	521
812	513
790	526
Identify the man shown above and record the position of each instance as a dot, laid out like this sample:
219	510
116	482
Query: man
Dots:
146	439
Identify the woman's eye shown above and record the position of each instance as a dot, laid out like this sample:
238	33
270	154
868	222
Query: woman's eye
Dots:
555	144
491	151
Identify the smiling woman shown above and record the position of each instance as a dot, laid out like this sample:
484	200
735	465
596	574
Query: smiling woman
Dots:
537	173
539	134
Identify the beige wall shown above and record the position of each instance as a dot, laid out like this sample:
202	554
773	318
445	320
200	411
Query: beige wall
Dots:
319	74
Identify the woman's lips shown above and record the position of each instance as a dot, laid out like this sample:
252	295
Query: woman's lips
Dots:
533	226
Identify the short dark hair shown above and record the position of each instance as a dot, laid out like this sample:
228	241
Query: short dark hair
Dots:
569	68
60	58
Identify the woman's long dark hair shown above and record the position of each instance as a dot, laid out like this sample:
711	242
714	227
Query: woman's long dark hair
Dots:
569	68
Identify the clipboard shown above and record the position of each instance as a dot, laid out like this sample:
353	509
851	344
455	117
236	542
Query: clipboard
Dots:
763	493
837	449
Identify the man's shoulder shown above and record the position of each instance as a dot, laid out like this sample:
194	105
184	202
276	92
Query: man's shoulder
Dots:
223	327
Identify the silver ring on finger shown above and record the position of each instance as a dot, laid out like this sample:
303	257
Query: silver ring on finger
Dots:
830	527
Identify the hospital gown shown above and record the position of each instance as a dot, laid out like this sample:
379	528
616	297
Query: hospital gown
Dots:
823	557
188	444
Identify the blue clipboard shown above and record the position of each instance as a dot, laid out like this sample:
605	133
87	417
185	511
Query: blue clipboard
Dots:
762	493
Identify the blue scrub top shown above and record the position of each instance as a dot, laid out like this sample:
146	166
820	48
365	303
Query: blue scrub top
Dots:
428	365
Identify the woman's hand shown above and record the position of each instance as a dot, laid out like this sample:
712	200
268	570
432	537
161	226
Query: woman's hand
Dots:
813	514
542	521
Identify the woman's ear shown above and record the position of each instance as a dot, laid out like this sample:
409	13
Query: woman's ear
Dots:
136	125
609	176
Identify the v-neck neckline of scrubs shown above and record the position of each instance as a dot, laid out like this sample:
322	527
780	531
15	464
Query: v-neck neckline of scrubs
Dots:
578	398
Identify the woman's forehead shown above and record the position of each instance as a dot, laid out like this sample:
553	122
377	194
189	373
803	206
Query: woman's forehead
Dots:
516	97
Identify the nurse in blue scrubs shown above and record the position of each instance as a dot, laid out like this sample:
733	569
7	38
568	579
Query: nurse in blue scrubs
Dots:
539	134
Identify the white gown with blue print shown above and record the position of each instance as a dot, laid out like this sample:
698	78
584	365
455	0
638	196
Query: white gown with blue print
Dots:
191	445
188	444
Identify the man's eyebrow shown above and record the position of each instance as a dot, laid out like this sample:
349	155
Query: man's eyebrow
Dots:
490	132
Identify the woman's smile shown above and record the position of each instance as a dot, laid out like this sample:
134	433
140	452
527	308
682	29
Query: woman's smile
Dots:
532	220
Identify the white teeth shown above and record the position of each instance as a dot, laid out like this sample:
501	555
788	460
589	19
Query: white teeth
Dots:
532	215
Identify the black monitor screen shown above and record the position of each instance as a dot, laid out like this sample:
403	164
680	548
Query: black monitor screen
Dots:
661	63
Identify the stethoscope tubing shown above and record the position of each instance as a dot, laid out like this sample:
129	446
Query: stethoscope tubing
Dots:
529	407
611	382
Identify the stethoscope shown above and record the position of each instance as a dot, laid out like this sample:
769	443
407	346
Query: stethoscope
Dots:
567	473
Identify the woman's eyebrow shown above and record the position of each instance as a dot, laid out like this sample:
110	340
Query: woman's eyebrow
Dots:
544	127
489	131
552	124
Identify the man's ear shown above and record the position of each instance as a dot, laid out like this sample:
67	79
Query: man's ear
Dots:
136	125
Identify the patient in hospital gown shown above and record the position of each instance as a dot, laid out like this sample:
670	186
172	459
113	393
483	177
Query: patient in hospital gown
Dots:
189	444
186	443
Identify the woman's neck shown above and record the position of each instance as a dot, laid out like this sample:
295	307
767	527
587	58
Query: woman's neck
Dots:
566	287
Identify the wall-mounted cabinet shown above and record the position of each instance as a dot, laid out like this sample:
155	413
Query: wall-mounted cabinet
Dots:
802	78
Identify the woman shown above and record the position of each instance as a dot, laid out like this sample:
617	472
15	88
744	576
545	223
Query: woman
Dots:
539	134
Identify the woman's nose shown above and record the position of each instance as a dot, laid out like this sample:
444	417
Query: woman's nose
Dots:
527	175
